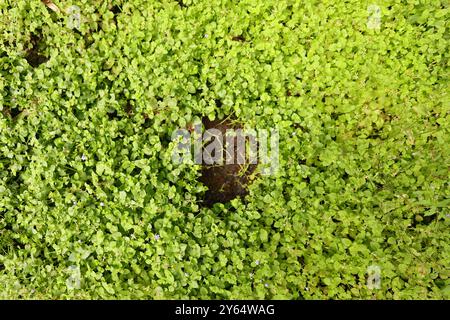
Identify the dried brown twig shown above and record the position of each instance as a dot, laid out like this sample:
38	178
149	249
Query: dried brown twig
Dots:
51	5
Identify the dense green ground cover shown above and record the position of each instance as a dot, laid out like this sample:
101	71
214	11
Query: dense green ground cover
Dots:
86	177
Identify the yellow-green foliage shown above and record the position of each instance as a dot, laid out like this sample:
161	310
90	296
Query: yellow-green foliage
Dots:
86	177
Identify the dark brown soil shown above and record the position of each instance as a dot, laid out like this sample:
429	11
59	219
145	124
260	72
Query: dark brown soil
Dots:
228	181
33	54
238	38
